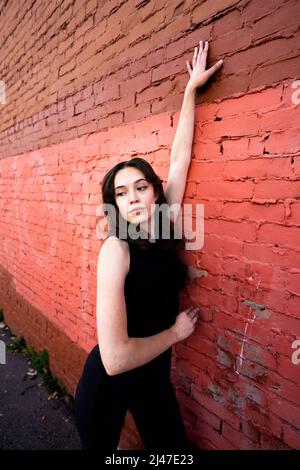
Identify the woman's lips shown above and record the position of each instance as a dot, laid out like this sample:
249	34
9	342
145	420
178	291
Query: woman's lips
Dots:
136	211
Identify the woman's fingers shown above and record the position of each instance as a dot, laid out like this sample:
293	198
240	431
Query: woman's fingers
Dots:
198	73
188	310
191	308
193	312
199	57
194	61
214	68
203	56
188	67
199	53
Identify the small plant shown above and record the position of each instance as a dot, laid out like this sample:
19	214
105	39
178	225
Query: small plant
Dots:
39	362
16	344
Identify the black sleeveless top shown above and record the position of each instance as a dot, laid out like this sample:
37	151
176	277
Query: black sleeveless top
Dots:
151	289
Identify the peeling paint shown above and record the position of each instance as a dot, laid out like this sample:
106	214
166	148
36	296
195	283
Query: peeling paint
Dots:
223	358
252	352
256	311
236	398
216	393
254	304
253	393
241	354
196	273
222	341
255	371
260	309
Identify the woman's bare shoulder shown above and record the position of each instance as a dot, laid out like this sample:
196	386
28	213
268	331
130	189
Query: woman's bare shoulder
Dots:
115	240
115	250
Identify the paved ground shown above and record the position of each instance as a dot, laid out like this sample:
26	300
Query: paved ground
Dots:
28	420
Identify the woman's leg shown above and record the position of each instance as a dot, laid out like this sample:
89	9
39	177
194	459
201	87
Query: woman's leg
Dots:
158	418
99	410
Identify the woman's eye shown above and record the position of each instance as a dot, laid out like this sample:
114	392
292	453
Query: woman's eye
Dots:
141	187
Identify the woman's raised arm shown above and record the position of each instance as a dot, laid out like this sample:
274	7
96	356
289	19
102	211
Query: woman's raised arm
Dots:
183	141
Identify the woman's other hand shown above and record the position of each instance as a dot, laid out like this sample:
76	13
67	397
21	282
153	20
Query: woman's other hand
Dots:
185	323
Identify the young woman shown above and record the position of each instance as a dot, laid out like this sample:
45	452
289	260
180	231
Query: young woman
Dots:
139	279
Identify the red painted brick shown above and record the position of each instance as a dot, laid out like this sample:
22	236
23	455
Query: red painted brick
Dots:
279	235
214	407
269	442
262	419
123	101
238	438
291	436
293	284
257	212
281	19
276	189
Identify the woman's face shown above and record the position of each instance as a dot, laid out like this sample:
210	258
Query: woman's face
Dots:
133	191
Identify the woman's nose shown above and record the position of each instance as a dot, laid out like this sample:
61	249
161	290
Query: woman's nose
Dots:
133	196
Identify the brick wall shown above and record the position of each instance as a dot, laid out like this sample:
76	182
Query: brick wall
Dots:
91	83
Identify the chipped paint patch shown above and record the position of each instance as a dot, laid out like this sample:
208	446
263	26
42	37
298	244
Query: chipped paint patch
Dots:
260	309
252	352
255	371
223	358
216	393
236	398
223	342
195	273
253	393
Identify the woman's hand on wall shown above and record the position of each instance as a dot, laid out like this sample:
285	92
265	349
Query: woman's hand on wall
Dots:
185	323
198	74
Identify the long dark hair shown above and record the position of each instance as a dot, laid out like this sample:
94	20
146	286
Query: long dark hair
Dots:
108	197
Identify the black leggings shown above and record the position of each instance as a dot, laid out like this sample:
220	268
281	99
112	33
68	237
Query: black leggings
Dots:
101	403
